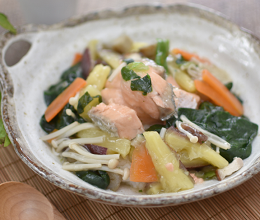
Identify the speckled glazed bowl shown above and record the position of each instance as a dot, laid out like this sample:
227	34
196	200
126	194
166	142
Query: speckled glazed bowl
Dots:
190	27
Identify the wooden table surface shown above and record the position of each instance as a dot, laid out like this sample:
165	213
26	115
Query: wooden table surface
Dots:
242	202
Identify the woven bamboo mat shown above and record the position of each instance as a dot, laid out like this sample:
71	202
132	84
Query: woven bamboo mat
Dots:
243	202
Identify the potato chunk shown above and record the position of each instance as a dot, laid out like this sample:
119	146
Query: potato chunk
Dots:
172	180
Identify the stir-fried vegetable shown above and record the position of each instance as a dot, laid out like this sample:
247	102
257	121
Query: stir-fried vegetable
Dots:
238	131
58	104
99	110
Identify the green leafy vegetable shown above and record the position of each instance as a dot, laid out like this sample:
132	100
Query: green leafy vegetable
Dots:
238	131
72	73
170	122
48	127
229	85
162	51
85	100
128	74
97	178
54	91
156	127
67	78
138	67
144	85
4	22
61	120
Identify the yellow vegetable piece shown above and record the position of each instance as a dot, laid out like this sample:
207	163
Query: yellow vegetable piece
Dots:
185	81
93	91
98	76
112	58
191	163
118	145
194	150
155	188
172	180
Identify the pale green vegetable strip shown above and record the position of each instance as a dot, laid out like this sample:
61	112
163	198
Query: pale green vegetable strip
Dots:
172	181
195	150
118	145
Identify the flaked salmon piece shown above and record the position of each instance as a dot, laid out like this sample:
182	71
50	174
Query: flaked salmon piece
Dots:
157	68
185	99
115	83
173	82
119	120
111	95
158	104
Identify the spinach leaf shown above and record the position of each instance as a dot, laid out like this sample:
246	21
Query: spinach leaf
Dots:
67	78
229	86
97	178
144	85
48	127
85	100
61	120
72	73
170	122
54	91
238	131
128	74
162	51
5	23
156	127
64	120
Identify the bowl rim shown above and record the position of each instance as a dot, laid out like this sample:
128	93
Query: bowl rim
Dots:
15	135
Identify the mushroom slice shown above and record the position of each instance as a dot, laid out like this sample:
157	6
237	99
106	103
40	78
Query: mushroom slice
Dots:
236	164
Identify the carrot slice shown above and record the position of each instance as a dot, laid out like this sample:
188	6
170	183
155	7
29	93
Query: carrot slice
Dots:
142	168
205	89
222	90
188	56
77	58
58	104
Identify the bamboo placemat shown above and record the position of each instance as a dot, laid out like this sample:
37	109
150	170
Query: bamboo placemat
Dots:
243	202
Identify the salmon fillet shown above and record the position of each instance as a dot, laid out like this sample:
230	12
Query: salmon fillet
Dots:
111	95
185	99
118	120
115	83
158	104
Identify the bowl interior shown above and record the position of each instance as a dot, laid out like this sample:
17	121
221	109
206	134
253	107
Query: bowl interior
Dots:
52	51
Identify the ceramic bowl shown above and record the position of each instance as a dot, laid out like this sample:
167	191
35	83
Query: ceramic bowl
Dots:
190	27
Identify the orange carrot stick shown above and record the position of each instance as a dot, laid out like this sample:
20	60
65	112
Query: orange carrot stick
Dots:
188	56
77	58
58	104
205	89
222	90
142	168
